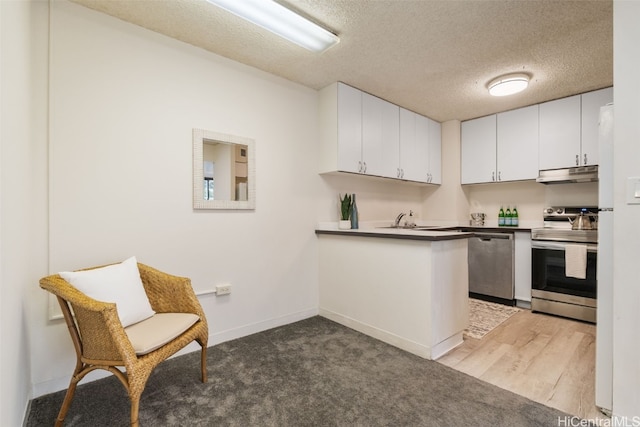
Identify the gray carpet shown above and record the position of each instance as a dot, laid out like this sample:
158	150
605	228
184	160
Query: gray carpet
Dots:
310	373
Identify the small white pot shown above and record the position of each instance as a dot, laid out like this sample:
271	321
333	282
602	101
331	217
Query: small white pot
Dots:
344	224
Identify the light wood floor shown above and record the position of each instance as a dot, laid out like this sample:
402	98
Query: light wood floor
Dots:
548	359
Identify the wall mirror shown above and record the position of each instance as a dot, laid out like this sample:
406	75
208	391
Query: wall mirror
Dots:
223	171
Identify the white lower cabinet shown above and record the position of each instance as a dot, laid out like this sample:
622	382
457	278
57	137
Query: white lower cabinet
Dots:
523	266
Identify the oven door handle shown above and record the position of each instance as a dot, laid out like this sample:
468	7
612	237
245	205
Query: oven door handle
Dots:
559	246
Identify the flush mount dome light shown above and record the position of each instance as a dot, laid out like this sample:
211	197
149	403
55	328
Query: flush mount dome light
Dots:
508	84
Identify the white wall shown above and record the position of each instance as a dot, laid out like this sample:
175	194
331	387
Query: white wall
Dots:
124	101
22	194
119	92
626	280
448	201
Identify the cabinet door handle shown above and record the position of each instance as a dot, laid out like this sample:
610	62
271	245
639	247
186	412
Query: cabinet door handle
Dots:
577	160
398	172
499	176
585	158
364	170
493	176
401	173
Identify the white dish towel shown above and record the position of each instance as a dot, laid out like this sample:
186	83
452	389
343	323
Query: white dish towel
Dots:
575	259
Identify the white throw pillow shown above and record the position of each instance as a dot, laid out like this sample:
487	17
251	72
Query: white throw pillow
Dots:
118	283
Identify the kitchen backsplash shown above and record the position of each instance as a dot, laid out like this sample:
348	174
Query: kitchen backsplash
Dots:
529	197
381	200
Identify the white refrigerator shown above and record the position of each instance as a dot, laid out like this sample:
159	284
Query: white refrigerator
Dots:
604	317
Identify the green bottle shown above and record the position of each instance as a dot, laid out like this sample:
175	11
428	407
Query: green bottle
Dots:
501	217
514	217
507	217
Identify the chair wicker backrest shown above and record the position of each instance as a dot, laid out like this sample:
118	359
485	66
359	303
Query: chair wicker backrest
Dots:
101	342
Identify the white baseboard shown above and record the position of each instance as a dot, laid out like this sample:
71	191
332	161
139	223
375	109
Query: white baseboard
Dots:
61	383
243	331
446	346
380	334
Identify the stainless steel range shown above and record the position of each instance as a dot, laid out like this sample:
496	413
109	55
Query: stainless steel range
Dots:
564	261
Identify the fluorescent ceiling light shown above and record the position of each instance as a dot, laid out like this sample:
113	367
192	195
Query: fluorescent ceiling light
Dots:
508	84
279	20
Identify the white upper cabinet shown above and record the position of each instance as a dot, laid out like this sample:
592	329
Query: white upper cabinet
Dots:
560	133
569	130
478	150
349	116
364	134
591	103
435	152
413	155
380	136
500	147
372	109
390	140
420	148
517	144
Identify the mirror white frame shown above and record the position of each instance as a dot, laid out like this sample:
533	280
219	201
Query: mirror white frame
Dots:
199	138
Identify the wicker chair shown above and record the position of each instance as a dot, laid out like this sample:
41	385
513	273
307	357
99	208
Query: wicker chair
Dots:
101	342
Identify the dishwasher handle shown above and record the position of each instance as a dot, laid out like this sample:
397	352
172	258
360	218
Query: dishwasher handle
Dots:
489	236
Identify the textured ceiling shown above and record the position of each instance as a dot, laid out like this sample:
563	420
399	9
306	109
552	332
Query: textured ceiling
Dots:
433	57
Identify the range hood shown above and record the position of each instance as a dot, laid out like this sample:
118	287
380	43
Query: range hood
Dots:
568	175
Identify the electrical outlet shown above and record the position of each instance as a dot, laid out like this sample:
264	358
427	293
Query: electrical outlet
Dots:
223	290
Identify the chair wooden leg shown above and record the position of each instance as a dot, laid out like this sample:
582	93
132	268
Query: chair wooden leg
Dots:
135	406
203	361
66	403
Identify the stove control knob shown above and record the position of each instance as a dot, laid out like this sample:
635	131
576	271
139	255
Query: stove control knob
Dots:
559	211
549	210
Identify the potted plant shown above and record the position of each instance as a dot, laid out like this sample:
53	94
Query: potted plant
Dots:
345	211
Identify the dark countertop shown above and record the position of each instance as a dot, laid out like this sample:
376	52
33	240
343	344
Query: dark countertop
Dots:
429	233
399	233
493	229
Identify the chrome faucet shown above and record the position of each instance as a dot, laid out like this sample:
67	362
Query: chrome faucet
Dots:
396	223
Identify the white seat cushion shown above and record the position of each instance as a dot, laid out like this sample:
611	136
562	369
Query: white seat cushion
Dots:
157	330
117	283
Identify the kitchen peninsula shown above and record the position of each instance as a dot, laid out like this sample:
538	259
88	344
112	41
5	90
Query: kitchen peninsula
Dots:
408	288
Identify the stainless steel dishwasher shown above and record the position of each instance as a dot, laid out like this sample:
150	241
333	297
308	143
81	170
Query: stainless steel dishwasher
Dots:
491	267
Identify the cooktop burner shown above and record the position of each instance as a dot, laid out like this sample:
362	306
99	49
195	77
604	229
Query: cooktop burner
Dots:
557	226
